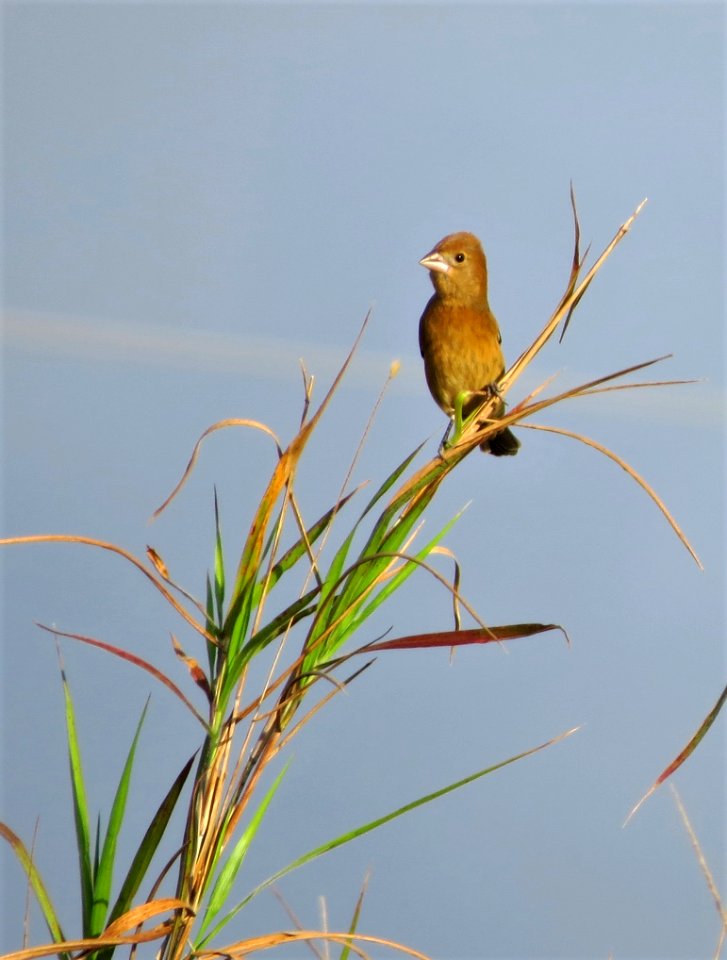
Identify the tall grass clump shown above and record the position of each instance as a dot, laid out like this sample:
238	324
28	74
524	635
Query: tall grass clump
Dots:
310	651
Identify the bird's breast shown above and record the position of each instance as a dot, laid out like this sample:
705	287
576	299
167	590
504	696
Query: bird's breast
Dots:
461	351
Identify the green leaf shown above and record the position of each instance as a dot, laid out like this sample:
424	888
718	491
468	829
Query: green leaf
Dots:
298	610
97	847
228	873
406	571
336	568
211	626
219	566
238	619
80	810
300	547
380	821
391	480
147	849
353	926
209	606
388	536
104	876
332	582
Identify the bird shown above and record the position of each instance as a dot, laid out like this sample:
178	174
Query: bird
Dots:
459	337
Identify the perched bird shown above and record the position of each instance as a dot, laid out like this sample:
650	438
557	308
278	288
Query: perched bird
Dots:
458	334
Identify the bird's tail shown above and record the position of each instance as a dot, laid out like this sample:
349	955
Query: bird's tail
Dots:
502	444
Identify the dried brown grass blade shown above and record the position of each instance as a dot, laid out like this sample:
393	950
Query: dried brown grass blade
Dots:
157	561
570	299
220	425
701	859
474	433
342	496
456	580
113	936
634	476
113	548
195	671
637	386
144	912
244	948
621	233
578	261
284	471
517	412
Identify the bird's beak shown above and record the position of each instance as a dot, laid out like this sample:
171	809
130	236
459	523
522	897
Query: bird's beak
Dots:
435	262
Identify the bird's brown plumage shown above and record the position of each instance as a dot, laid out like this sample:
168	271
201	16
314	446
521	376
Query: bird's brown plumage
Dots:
458	334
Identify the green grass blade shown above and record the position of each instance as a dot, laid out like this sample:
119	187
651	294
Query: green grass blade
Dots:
80	810
337	564
393	529
149	844
391	480
209	607
228	873
219	566
425	482
298	610
406	571
97	846
300	547
388	535
147	849
343	610
212	629
400	811
36	881
104	876
380	821
353	926
280	480
238	618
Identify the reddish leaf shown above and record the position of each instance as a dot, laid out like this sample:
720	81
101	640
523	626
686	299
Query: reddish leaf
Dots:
686	752
458	638
196	672
130	658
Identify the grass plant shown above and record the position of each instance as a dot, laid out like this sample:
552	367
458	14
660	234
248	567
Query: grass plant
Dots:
311	650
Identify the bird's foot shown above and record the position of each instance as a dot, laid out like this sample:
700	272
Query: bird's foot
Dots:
444	444
492	390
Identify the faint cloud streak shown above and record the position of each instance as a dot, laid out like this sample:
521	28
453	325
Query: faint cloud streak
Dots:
46	334
49	334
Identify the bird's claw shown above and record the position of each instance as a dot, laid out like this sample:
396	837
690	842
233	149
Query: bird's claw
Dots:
492	390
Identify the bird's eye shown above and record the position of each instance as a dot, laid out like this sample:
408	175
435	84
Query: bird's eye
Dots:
459	257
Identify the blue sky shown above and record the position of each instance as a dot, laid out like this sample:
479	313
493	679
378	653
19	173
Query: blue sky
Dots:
198	195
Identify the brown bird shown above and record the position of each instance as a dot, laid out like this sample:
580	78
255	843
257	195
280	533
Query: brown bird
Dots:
458	334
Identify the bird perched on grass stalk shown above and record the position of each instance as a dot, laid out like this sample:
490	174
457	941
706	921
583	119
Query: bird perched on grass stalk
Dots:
459	337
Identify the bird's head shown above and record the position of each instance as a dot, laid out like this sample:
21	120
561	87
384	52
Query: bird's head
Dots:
458	269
